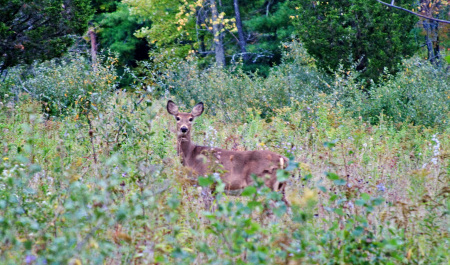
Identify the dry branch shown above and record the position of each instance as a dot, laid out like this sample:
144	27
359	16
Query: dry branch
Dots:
412	12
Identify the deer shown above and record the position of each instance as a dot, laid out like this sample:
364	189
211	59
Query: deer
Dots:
238	166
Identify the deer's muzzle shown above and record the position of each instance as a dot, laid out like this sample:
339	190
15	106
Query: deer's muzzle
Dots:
184	129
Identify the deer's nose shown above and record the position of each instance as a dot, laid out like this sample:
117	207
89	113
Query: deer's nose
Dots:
184	129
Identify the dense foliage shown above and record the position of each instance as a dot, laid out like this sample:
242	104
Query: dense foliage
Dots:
357	33
116	30
60	84
182	29
89	172
39	30
419	94
107	186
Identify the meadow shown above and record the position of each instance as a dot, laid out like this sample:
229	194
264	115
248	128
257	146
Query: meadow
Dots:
89	174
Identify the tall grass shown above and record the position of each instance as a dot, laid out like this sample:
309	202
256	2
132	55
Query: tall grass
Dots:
361	193
103	183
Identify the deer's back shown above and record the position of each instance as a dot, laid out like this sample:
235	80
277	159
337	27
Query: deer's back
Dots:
237	167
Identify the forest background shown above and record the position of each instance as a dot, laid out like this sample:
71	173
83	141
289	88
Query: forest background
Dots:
356	93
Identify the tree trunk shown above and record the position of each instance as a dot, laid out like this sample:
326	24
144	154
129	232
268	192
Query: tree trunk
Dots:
93	38
240	30
200	34
218	35
432	40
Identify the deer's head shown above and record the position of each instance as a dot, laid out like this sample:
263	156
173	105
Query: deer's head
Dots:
184	119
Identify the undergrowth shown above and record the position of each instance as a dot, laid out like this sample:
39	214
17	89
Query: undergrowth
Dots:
114	191
90	174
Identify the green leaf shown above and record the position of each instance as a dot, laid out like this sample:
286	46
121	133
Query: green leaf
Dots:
308	177
280	211
330	144
322	188
22	159
249	191
447	58
28	244
205	182
292	165
359	202
340	182
365	196
332	176
358	231
339	211
282	175
254	204
333	197
35	168
377	201
254	227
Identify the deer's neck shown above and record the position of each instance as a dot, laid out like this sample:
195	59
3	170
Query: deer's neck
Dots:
184	148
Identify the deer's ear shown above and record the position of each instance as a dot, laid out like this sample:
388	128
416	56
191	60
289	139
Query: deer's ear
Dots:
172	108
197	110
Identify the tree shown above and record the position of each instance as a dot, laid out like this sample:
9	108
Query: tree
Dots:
355	32
39	29
217	28
116	28
242	42
267	24
429	12
220	31
168	31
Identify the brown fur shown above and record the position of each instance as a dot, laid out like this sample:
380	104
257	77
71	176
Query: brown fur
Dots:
237	166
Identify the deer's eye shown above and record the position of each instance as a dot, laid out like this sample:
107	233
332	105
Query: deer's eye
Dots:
191	119
178	119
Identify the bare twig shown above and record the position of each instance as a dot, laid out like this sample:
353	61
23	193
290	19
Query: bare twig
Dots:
132	111
91	135
414	13
81	244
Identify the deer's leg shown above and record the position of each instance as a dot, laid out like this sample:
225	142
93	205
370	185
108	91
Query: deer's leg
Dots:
206	197
283	192
213	198
277	186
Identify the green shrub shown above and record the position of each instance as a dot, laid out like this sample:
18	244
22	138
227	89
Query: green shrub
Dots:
420	94
232	91
60	83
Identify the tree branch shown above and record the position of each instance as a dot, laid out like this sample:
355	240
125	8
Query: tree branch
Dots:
414	13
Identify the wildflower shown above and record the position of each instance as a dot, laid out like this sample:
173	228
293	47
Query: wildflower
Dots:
216	176
436	148
381	187
5	158
30	259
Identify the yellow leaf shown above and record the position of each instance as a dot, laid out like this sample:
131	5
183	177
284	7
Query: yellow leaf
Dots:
124	237
75	262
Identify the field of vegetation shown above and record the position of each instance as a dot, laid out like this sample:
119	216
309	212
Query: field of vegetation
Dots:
89	174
